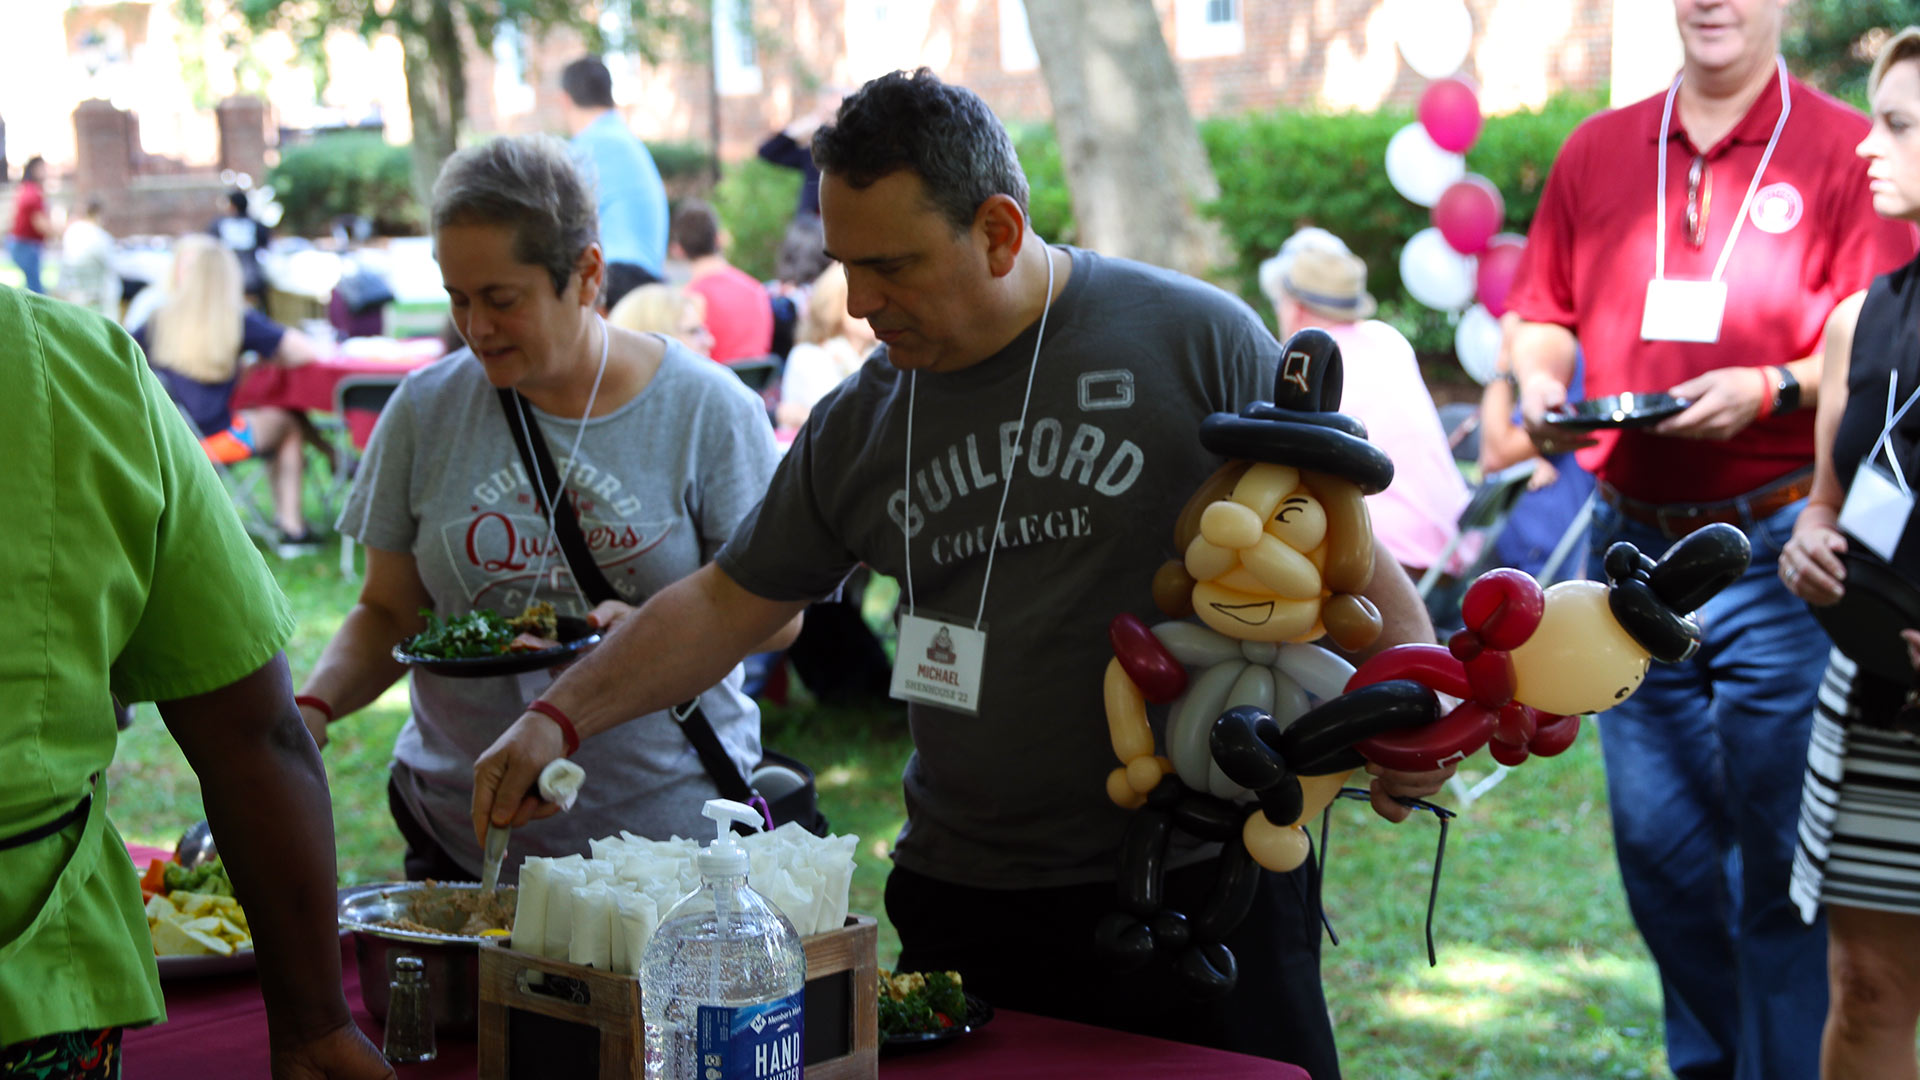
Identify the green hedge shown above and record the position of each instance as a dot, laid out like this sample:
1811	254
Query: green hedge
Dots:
345	173
755	202
1281	171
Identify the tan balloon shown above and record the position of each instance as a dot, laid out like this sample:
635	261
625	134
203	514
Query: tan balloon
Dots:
1254	616
1122	793
1279	848
1264	486
1579	660
1316	792
1230	525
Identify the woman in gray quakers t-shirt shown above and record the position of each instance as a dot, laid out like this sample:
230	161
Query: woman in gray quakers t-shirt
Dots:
663	453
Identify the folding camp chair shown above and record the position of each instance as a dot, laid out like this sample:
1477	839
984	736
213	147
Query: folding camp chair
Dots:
247	481
762	376
1484	516
357	401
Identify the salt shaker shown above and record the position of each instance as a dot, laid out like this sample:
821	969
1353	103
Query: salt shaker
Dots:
409	1035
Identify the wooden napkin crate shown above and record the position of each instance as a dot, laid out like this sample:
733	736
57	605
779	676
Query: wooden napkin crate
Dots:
542	1018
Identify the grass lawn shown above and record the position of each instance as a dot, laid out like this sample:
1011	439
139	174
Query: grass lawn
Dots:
1541	974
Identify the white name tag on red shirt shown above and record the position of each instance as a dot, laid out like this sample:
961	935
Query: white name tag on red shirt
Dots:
1683	310
939	662
1876	511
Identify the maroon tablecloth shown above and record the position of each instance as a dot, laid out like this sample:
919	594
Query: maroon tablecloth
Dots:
218	1027
310	387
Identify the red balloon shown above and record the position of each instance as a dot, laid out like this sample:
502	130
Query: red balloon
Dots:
1450	111
1469	213
1498	265
1160	676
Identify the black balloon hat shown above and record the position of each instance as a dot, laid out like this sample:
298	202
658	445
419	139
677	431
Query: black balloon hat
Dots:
1302	426
1653	601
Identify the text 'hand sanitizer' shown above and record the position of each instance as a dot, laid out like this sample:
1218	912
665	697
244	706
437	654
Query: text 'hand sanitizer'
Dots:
723	980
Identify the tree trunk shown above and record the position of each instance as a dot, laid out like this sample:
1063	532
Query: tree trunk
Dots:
436	92
1135	166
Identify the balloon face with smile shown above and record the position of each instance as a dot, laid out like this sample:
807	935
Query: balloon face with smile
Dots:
1259	558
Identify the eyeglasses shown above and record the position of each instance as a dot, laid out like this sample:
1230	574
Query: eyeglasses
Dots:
1699	201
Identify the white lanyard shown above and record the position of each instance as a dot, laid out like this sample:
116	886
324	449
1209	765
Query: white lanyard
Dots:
1886	433
566	470
993	541
1660	192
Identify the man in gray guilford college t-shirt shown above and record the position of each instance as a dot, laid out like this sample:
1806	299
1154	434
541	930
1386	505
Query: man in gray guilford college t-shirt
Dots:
1008	856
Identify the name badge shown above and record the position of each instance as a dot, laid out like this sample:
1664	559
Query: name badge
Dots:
939	663
1683	311
1876	511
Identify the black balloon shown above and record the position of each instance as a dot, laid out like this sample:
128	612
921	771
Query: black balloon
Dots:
1207	817
1143	854
1232	897
1335	725
1170	931
1209	971
1694	570
1244	743
1319	447
1124	940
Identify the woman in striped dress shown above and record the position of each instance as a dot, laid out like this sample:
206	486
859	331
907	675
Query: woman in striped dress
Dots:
1860	814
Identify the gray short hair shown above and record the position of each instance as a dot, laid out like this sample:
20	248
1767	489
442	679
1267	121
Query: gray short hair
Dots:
940	132
530	184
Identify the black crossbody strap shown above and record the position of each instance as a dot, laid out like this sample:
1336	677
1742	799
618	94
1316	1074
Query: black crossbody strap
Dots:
532	444
566	525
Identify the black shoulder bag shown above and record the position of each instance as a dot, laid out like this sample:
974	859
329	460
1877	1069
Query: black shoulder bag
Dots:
789	802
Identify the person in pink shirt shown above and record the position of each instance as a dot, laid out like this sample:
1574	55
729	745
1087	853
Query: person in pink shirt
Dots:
739	313
1317	281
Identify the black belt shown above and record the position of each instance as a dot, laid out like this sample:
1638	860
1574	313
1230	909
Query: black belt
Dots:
41	832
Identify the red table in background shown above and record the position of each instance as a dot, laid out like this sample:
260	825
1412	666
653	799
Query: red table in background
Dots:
310	387
218	1027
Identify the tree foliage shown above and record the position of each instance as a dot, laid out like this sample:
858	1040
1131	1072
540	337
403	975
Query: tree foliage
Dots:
433	35
1831	43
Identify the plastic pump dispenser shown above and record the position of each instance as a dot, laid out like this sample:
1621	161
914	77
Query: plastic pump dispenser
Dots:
725	857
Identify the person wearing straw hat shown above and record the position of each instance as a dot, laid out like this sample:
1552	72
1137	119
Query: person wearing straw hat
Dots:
1316	281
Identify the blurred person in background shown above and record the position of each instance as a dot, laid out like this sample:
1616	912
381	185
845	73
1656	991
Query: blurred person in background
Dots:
739	312
32	225
1859	850
87	276
129	575
1316	281
246	236
629	195
668	310
196	342
833	345
1559	487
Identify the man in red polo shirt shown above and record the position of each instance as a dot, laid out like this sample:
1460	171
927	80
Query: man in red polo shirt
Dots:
1695	243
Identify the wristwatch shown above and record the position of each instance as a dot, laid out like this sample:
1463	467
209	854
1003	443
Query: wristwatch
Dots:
1786	392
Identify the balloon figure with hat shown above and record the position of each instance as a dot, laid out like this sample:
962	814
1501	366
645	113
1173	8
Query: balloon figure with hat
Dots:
1274	551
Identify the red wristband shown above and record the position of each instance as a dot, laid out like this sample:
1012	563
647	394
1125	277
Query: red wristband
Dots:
1766	393
553	713
315	703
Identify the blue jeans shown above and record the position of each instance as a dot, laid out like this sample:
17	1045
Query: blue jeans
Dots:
1704	766
26	255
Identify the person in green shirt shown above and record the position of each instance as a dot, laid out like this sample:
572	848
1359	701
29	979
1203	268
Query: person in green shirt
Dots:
125	572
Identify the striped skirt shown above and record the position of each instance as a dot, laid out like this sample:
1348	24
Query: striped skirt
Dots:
1860	807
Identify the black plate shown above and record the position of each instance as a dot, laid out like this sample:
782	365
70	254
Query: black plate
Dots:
1875	606
978	1013
1618	411
576	637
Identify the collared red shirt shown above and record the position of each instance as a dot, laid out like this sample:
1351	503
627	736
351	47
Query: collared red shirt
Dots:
1811	239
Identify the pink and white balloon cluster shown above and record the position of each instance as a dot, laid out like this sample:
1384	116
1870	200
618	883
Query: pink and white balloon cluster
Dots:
1463	256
